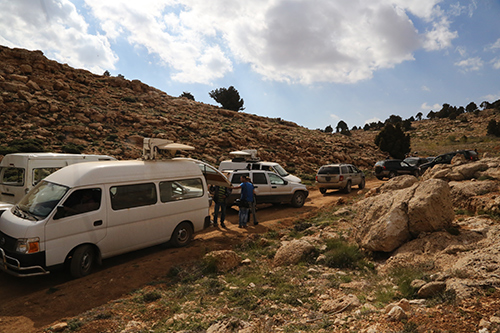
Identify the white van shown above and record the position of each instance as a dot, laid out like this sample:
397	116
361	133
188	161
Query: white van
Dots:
21	171
86	212
247	160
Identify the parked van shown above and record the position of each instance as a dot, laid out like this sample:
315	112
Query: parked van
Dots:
87	212
247	160
21	171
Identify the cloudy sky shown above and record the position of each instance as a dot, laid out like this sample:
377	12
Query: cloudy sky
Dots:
313	62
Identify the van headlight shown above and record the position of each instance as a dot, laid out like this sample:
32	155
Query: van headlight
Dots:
28	245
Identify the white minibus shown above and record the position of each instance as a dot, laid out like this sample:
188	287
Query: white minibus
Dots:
87	212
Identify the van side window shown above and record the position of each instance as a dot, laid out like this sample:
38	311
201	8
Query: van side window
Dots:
275	179
82	201
130	196
41	173
181	189
13	176
344	169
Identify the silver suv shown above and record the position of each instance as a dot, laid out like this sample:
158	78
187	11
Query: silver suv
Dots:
269	188
339	176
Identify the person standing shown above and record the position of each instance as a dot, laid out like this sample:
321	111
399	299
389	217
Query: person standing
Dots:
246	200
220	194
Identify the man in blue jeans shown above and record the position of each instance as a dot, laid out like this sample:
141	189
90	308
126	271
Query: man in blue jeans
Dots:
220	194
246	200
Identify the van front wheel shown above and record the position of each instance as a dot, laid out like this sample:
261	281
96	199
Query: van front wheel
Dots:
82	261
182	235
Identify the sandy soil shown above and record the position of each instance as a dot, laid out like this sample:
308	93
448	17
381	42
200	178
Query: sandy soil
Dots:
29	304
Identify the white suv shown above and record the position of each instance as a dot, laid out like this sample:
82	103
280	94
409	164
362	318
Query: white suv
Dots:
269	188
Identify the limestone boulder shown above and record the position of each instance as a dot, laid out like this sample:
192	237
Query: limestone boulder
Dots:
292	252
385	222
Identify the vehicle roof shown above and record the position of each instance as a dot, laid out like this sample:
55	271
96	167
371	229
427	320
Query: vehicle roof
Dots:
18	157
335	164
93	173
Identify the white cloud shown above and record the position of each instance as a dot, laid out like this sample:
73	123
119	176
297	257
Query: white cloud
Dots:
496	63
495	45
425	88
56	28
492	97
440	36
372	120
426	107
334	117
470	64
302	41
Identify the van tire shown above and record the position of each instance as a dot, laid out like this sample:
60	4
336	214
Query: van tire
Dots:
82	261
298	199
182	235
362	184
322	190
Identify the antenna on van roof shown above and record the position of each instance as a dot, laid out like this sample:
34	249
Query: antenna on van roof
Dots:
151	148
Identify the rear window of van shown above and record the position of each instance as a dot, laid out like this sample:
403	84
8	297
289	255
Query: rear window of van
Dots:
332	170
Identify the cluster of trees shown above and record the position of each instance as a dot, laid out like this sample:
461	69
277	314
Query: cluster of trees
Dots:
341	128
229	98
452	112
493	127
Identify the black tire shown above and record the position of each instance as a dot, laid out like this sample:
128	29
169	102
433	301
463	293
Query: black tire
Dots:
347	188
380	177
82	261
298	199
182	235
322	190
392	174
362	184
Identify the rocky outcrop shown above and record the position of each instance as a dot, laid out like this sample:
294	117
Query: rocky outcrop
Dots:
387	221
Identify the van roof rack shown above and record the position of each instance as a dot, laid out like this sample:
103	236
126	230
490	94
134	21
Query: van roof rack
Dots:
152	148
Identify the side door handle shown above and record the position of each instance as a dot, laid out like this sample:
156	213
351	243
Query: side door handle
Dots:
97	223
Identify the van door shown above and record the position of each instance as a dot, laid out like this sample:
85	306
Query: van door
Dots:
212	175
80	219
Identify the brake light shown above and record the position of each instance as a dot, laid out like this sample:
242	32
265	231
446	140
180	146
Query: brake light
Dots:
316	178
341	178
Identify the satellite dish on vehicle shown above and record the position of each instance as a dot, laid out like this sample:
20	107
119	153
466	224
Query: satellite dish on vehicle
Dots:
240	153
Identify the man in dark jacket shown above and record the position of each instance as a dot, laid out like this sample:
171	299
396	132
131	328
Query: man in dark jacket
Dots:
220	194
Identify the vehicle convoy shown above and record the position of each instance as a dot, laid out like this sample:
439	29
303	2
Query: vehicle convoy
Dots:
446	158
269	188
248	160
339	176
19	172
87	212
393	168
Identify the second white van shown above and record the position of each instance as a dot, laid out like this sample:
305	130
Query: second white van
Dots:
87	212
19	172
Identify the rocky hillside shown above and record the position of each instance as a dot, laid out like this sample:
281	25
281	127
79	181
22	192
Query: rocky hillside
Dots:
65	109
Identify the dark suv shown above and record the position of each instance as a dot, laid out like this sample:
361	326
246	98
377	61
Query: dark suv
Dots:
470	155
393	168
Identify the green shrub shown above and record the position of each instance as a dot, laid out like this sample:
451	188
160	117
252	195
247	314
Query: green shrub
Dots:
340	254
72	148
23	146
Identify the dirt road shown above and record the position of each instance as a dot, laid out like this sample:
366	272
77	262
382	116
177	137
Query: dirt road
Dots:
27	304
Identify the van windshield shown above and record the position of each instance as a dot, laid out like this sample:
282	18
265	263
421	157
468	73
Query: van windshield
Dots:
40	201
280	171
